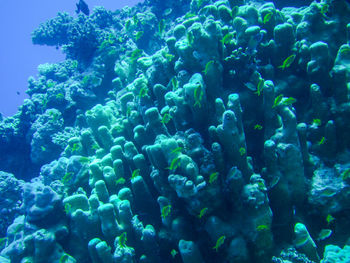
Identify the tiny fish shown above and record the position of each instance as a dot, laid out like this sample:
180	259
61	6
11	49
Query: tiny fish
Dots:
137	53
198	95
219	243
329	219
324	234
288	101
43	148
84	159
59	96
169	57
213	177
174	83
177	150
207	66
143	92
262	227
161	26
261	186
67	208
242	151
121	180
173	253
189	15
95	146
166	211
202	212
258	127
174	164
166	118
3	242
199	3
267	17
287	62
138	35
321	141
83	7
190	38
277	101
64	258
135	173
227	38
122	239
316	122
260	87
135	20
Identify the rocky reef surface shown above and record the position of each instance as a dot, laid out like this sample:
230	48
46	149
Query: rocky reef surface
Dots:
183	131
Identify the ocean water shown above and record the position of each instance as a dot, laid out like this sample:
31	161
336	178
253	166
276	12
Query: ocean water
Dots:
183	131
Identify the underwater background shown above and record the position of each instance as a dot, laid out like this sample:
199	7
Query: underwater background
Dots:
183	131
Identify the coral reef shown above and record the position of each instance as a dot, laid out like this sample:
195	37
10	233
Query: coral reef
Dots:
184	131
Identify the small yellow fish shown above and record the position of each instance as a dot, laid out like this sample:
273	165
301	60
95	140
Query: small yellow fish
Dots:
288	101
267	17
161	27
135	173
260	87
242	151
177	150
262	227
166	118
174	83
166	211
198	96
122	239
175	163
213	177
173	253
258	127
219	243
316	122
67	208
277	101
322	141
329	219
227	38
143	92
207	66
202	212
287	62
121	180
138	35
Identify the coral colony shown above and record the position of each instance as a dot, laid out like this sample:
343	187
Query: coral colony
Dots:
183	131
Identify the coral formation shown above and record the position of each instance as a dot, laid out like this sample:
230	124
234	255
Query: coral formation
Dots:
183	131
